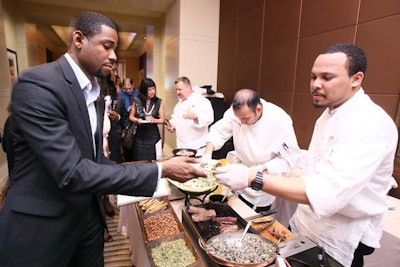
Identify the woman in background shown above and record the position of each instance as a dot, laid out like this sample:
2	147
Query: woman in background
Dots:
147	112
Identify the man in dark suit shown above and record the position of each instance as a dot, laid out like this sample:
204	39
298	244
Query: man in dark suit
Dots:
52	214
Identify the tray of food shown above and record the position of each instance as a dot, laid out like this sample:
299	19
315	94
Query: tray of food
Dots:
152	205
172	251
156	223
163	234
205	222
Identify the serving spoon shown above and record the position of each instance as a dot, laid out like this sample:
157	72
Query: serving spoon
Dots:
239	243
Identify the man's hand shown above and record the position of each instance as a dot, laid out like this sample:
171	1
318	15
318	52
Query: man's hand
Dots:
257	168
190	115
181	169
113	115
170	127
234	176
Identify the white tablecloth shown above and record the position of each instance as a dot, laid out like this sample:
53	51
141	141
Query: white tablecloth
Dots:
388	254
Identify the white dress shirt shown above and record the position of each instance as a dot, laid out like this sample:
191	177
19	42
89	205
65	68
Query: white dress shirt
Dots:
91	91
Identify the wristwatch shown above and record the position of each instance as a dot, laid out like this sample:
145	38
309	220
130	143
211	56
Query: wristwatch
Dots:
257	183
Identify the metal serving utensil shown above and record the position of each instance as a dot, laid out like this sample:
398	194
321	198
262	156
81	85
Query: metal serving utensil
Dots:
239	243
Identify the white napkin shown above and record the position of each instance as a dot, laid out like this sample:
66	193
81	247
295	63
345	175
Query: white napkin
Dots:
162	190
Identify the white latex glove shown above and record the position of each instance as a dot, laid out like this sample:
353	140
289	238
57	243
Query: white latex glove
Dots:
257	168
205	159
234	176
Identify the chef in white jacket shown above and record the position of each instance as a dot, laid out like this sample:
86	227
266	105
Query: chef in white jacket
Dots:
191	117
342	194
263	137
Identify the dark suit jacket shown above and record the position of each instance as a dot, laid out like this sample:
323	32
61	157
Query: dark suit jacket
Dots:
55	173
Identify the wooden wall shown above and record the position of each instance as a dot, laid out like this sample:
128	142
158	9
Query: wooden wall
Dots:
270	45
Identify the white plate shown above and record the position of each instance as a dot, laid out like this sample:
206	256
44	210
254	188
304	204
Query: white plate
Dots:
196	185
145	121
210	167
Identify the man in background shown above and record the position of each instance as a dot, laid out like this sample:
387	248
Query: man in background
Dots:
191	117
264	140
127	96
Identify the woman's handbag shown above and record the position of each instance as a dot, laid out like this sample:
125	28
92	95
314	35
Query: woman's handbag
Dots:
129	135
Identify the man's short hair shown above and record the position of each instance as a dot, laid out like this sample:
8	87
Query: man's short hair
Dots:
356	58
89	23
127	79
184	80
246	97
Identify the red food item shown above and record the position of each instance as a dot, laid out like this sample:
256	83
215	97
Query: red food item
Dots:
194	209
226	220
228	228
204	216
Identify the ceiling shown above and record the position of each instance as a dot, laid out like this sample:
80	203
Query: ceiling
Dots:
52	17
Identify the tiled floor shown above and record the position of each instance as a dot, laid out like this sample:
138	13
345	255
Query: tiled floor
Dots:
116	253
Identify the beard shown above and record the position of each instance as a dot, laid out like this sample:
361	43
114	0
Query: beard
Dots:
315	102
103	72
316	105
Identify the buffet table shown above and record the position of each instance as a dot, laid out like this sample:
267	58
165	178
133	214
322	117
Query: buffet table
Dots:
129	224
129	221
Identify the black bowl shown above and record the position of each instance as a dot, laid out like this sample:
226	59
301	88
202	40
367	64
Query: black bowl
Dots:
217	204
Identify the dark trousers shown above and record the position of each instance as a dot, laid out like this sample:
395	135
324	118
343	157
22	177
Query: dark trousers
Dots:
359	253
89	251
114	144
258	209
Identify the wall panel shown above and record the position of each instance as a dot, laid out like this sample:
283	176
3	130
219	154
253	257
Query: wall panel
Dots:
278	67
373	9
382	45
250	29
248	70
322	16
293	32
281	21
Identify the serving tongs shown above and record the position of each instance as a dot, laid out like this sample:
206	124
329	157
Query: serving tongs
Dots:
262	214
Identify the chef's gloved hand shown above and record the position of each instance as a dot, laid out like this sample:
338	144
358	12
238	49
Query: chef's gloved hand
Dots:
234	176
205	159
257	168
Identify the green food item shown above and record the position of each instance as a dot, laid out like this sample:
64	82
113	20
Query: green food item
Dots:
172	254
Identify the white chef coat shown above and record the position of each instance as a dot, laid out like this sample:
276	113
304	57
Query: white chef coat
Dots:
270	141
350	162
191	134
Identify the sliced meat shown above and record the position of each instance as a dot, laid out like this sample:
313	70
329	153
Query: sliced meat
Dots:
204	216
194	209
226	220
228	228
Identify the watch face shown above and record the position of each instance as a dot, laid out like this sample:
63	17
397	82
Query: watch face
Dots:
256	186
257	183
